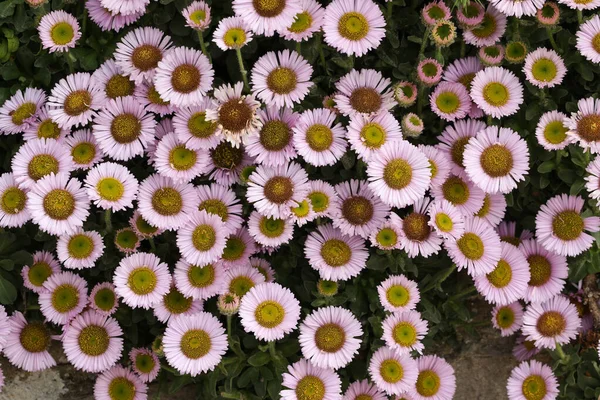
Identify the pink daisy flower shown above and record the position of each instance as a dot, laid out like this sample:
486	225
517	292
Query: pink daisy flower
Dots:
322	197
125	7
239	248
270	231
387	235
507	318
83	149
111	186
429	71
44	265
353	27
436	379
145	364
592	180
41	126
145	93
232	33
334	255
455	137
404	331
518	8
174	305
398	294
532	380
5	327
92	342
493	208
194	344
450	101
119	380
584	125
417	237
497	91
551	323
197	15
368	134
281	78
140	51
551	131
239	279
220	200
264	267
560	228
103	299
193	129
273	146
306	23
108	21
13	203
141	280
364	92
548	14
318	139
110	78
507	282
581	5
27	344
491	56
544	68
202	240
79	250
405	93
227	163
39	158
447	221
199	282
471	15
74	100
363	390
587	39
391	372
477	250
302	378
57	204
175	160
58	31
269	311
548	271
18	113
496	159
461	192
434	12
64	297
439	164
264	18
489	31
524	349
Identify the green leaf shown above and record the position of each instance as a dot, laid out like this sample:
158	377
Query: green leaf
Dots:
259	359
8	292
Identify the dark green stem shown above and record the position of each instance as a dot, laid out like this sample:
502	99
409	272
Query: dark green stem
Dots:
299	47
463	48
321	54
108	221
551	38
229	318
390	6
420	99
243	71
272	350
580	16
561	353
490	120
203	45
423	44
152	245
69	62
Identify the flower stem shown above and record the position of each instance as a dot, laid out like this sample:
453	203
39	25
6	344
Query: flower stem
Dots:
321	55
561	353
107	220
229	318
463	48
299	47
423	44
152	245
272	350
420	99
390	6
551	38
243	71
580	17
70	62
490	120
203	45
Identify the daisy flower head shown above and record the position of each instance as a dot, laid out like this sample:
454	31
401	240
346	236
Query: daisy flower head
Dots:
461	192
446	219
477	250
306	22
175	160
330	337
496	159
125	7
74	100
508	233
103	299
493	209
141	227
439	164
199	282
337	257
551	131
322	197
497	91
532	380
197	15
164	203
400	175
41	126
391	372
239	248
470	15
363	390
462	71
507	318
434	12
227	162
412	125
584	125
450	101
37	159
139	52
147	95
111	79
57	204
581	4
387	235
141	280
429	71
516	52
239	279
64	297
232	33
548	271
58	31
544	68
264	267
121	381
194	344
489	31
270	231
398	294
44	265
592	180
83	149
108	21
228	304
353	27
304	380
273	146
126	240
274	190
405	93
183	76
174	305
443	33
265	17
404	331
417	237
436	379
111	186
357	211
368	134
5	324
269	311
192	127
588	39
18	113
13	203
507	282
318	139
145	364
491	55
561	229
281	78
551	323
221	201
364	92
80	249
524	349
235	114
92	342
518	8
27	344
202	239
548	14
